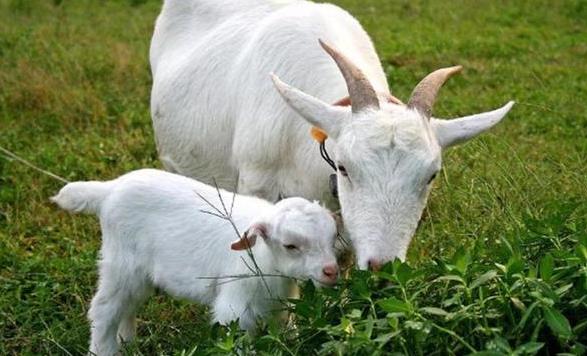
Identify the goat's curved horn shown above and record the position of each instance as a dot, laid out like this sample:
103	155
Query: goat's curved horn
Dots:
361	91
424	95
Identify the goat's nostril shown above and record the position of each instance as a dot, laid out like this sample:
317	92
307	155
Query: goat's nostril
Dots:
374	265
330	271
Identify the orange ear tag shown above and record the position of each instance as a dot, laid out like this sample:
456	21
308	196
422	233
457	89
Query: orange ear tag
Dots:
318	135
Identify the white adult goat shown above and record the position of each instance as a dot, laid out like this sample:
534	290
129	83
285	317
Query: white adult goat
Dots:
158	231
216	114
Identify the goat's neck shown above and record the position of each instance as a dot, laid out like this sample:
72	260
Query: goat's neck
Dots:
262	257
272	285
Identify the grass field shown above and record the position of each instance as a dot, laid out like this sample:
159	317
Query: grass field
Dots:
74	99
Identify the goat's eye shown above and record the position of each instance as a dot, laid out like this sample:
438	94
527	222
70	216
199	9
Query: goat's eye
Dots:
432	178
290	247
343	171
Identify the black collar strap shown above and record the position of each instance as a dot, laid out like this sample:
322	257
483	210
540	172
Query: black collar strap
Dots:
326	156
333	184
321	137
332	181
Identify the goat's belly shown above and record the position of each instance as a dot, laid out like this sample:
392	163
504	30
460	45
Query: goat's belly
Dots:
193	131
185	285
206	167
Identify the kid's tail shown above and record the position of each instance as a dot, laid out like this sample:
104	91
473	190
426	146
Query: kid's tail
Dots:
83	197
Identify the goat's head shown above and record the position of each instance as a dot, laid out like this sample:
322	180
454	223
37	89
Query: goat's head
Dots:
301	236
387	155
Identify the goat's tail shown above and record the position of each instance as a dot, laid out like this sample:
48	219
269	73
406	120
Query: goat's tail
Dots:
83	197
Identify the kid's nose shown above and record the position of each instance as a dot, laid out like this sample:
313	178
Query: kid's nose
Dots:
330	271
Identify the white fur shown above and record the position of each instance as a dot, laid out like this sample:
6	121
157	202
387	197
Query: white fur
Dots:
216	114
156	233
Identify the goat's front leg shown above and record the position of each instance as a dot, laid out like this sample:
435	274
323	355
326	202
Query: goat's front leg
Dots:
231	305
258	182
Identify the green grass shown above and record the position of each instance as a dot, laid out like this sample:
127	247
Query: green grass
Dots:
74	99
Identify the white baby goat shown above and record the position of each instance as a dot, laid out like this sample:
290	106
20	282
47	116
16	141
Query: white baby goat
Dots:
158	230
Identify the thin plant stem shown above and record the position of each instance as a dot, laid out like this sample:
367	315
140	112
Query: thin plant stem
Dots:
225	214
13	156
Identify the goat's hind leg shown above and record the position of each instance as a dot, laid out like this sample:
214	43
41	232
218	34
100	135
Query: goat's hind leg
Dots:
114	302
127	329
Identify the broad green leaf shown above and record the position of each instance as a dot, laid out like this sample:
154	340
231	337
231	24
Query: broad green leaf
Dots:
564	289
499	343
347	326
393	322
414	325
462	260
434	311
515	265
383	339
518	303
403	273
360	287
581	251
227	344
484	278
394	305
385	275
355	314
501	267
451	278
546	267
529	348
368	329
558	323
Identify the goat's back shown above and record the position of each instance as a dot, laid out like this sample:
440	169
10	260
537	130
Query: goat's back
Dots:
214	108
164	226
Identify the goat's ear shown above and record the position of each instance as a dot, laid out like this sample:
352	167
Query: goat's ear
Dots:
249	237
329	118
452	132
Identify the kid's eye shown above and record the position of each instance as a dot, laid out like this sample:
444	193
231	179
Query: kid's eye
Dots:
432	178
290	247
343	171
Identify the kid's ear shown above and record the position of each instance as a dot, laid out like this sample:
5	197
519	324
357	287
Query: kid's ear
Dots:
249	237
